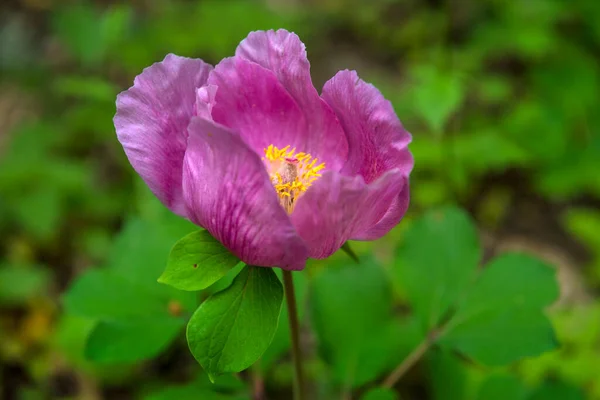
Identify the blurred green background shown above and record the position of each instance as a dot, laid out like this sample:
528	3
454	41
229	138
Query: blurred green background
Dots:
502	98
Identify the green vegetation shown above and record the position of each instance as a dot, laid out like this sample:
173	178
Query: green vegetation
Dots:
492	278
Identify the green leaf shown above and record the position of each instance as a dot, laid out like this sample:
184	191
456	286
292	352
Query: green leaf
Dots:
380	394
557	391
501	319
131	341
70	337
141	250
447	376
88	33
437	261
197	261
502	387
85	87
41	222
503	337
115	23
192	392
585	224
225	281
187	30
125	298
512	280
437	94
537	129
351	311
79	29
201	388
20	283
105	295
234	327
487	150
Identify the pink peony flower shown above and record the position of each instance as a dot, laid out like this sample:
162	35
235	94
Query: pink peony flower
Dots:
249	151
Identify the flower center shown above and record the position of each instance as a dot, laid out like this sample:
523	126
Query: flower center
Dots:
291	173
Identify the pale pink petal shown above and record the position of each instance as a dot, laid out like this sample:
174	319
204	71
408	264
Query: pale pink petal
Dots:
378	141
284	54
337	208
228	192
205	100
151	122
390	219
250	100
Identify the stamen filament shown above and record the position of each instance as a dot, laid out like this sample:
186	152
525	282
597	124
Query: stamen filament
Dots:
291	173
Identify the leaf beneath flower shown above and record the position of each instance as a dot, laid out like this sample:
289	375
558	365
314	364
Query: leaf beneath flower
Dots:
234	327
197	261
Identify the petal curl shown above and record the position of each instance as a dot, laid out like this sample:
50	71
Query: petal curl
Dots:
390	219
205	100
338	207
284	54
228	192
378	141
151	123
250	100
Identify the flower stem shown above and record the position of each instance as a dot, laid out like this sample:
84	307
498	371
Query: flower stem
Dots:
290	295
258	383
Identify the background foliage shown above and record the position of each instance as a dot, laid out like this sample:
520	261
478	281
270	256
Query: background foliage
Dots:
502	100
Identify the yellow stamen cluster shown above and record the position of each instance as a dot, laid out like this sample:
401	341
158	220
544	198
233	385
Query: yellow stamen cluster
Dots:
291	173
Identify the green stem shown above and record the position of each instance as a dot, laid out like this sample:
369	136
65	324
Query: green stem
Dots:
412	359
292	309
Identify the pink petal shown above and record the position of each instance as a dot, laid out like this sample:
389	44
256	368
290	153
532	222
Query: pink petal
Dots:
284	54
378	141
338	207
251	101
205	100
151	122
228	192
390	219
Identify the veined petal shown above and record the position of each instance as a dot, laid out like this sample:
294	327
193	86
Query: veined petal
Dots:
390	219
378	141
284	54
337	208
227	191
151	123
251	101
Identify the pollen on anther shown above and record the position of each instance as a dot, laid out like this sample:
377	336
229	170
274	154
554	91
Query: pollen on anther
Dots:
291	173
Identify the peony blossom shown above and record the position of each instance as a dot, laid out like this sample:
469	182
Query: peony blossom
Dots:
250	151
